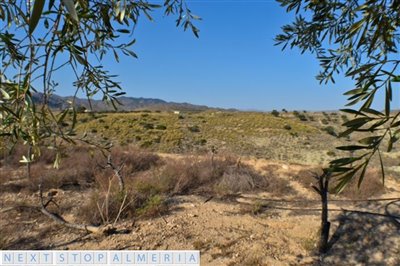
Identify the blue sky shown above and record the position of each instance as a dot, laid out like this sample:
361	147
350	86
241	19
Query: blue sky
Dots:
234	63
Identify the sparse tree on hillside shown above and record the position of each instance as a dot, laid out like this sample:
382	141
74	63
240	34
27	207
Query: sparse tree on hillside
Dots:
359	39
275	113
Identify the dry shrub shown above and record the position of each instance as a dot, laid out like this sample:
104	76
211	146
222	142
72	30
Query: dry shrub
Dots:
147	190
11	157
47	156
103	208
370	187
107	203
5	174
185	175
154	206
306	177
223	175
134	159
241	179
76	171
106	200
192	174
275	184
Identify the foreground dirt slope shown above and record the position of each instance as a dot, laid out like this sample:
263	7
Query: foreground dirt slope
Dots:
245	229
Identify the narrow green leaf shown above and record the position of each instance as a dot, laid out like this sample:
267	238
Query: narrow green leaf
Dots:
351	111
368	102
388	98
370	140
357	122
123	31
361	178
69	4
352	147
344	161
80	59
6	96
346	133
395	124
355	27
396	79
62	116
354	102
382	168
390	143
36	14
343	181
373	112
116	56
354	91
363	68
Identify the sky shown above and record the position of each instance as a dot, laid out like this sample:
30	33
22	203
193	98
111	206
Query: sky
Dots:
234	63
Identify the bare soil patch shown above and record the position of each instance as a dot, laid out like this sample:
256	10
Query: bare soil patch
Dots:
247	212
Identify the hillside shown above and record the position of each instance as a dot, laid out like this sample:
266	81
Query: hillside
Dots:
243	177
127	104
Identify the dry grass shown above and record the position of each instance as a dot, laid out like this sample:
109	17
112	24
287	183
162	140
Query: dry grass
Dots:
134	159
370	187
11	156
148	191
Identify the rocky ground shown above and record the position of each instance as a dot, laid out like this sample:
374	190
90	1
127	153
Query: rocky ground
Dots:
242	229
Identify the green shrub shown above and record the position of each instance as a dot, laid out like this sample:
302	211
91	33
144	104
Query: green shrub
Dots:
287	127
147	125
331	131
194	129
275	113
302	117
154	206
161	127
146	144
201	142
331	153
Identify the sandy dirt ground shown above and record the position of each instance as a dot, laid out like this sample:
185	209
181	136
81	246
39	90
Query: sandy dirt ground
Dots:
245	229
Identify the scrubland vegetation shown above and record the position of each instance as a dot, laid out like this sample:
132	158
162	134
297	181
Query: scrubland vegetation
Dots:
243	158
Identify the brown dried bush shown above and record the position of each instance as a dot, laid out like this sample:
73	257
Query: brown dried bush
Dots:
11	156
222	175
134	159
371	186
107	203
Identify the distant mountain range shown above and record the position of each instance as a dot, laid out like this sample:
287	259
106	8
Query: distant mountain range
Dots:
127	104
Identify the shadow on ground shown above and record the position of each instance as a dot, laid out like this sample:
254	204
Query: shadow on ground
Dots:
364	239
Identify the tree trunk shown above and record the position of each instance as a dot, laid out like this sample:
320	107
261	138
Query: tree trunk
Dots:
325	224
